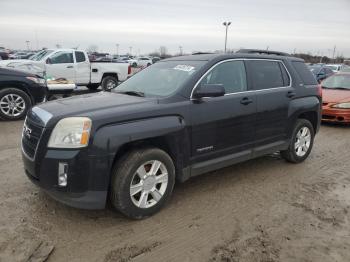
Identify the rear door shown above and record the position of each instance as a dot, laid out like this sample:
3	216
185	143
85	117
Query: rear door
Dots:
82	68
272	84
61	65
223	127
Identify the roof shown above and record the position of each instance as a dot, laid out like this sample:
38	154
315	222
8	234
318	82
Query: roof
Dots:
209	57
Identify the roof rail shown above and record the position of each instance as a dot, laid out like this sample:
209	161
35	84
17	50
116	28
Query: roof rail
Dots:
262	52
202	53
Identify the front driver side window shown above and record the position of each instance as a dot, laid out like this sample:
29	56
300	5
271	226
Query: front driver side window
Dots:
61	57
231	75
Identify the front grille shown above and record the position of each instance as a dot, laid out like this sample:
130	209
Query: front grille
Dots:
30	137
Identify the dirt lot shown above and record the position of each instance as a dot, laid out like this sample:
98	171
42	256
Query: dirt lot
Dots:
261	210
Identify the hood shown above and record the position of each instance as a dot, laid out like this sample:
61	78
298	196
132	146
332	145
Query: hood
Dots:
96	106
335	95
14	72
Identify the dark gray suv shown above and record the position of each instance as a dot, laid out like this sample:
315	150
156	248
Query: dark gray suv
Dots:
176	119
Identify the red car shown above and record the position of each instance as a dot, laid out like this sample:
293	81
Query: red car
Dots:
336	98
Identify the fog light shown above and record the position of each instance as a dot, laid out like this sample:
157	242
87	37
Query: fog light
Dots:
62	174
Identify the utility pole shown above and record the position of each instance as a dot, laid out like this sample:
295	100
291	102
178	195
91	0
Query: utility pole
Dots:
335	47
226	24
27	42
117	45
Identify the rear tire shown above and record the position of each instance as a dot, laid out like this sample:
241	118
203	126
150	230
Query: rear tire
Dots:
109	82
301	142
142	182
14	104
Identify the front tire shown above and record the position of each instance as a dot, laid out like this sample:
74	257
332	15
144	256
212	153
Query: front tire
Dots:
142	182
109	83
301	142
14	104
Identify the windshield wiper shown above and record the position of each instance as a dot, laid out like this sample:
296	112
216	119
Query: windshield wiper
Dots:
132	93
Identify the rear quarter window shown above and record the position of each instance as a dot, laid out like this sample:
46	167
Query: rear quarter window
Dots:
304	73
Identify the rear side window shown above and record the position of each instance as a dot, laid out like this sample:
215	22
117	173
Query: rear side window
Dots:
304	73
79	56
266	74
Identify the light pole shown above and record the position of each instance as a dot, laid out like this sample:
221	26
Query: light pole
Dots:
180	47
117	45
27	42
130	47
226	24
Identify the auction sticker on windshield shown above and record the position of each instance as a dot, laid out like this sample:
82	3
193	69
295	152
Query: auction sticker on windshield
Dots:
185	68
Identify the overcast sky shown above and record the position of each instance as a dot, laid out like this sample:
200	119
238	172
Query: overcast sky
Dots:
305	25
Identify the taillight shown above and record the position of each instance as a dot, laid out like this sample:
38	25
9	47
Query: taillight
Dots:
319	90
129	70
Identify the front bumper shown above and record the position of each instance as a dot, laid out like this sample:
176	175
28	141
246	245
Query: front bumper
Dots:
335	115
87	186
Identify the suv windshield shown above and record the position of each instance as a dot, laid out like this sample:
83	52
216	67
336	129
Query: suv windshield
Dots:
40	55
337	82
161	79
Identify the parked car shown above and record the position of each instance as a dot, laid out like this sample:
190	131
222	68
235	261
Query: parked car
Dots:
335	67
155	59
336	98
18	55
75	66
4	55
19	91
176	119
144	61
321	72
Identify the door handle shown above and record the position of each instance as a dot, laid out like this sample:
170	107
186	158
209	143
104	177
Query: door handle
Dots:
246	101
69	66
291	94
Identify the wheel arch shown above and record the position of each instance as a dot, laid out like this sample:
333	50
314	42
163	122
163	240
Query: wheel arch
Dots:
20	86
311	116
113	74
167	133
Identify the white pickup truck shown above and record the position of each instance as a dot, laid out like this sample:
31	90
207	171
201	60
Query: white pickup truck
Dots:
74	65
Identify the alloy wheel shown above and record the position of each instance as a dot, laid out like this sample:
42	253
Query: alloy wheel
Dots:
149	184
12	105
302	141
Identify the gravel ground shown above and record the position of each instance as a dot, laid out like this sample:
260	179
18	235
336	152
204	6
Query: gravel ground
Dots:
261	210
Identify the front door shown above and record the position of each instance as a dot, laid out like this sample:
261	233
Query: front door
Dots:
61	65
223	127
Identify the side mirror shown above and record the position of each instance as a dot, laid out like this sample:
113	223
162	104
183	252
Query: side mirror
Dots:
209	90
48	61
321	75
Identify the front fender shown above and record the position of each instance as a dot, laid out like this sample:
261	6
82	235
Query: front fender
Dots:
108	139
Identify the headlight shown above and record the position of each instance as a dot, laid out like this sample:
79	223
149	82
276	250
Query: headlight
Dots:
342	105
36	80
71	132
